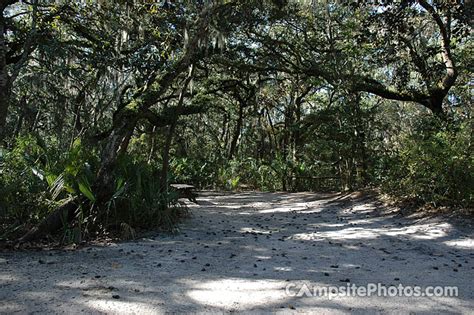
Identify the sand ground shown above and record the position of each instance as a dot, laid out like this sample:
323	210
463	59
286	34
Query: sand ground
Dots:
251	253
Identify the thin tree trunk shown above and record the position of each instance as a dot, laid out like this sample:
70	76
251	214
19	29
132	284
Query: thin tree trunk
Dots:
152	145
4	81
19	124
237	131
4	104
224	128
78	102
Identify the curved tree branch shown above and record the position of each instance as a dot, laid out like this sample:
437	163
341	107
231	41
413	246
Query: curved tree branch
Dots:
451	71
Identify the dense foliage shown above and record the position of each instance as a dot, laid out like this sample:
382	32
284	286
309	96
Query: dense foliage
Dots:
103	104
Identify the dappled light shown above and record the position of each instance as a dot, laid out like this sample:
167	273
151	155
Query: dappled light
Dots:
236	156
420	231
243	259
246	293
295	207
115	307
467	243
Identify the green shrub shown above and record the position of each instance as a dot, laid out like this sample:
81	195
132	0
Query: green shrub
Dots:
34	182
138	200
433	166
23	191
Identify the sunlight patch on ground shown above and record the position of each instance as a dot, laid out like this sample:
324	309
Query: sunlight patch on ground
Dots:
293	207
317	225
10	307
429	232
91	285
367	221
247	212
353	247
424	232
8	278
467	243
260	204
336	235
120	307
364	208
242	292
253	230
350	265
429	235
230	206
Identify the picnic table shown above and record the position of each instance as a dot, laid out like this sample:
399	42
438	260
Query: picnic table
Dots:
185	191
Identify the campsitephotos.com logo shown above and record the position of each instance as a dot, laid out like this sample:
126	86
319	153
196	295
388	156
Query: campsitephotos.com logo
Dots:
371	289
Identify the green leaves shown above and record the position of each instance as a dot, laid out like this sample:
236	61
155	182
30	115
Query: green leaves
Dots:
85	189
433	166
56	185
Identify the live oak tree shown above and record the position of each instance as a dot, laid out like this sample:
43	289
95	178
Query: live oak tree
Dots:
180	43
104	103
410	44
423	35
182	58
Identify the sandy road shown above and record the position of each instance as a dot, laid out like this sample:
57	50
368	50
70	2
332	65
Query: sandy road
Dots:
240	252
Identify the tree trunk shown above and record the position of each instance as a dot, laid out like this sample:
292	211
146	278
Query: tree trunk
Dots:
19	124
152	152
237	131
4	81
117	142
4	104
